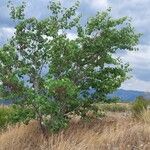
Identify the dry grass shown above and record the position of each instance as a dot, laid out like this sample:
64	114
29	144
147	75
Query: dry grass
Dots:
115	132
114	107
146	116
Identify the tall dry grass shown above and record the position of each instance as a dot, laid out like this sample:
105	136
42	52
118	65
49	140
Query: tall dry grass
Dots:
146	116
114	132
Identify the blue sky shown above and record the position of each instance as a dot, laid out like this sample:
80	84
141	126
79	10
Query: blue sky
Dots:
138	10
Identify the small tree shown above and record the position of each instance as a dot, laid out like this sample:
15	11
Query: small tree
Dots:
45	72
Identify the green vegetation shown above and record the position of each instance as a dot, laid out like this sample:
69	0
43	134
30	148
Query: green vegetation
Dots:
5	116
72	66
113	107
139	106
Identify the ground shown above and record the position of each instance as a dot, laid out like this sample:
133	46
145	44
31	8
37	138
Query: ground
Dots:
118	130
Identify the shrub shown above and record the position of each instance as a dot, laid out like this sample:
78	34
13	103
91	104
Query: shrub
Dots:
5	116
114	99
46	71
139	106
114	107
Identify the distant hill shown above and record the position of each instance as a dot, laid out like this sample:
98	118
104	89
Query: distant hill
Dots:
124	95
129	95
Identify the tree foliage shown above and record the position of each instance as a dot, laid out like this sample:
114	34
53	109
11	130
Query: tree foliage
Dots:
46	72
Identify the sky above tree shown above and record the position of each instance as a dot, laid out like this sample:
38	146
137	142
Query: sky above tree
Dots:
136	9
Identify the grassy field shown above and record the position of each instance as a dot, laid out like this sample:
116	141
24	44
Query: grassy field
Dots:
118	130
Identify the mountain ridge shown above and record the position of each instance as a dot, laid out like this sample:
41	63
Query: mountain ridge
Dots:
124	95
129	95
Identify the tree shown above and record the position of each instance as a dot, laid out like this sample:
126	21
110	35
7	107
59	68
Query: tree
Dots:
46	72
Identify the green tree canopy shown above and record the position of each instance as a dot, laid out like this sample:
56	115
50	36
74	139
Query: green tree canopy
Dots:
43	68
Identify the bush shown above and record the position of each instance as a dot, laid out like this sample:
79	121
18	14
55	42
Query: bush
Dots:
139	106
85	63
5	116
113	107
114	99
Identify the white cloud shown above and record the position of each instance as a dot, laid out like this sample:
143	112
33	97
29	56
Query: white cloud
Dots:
136	84
99	3
71	36
139	59
138	10
96	4
135	1
6	33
